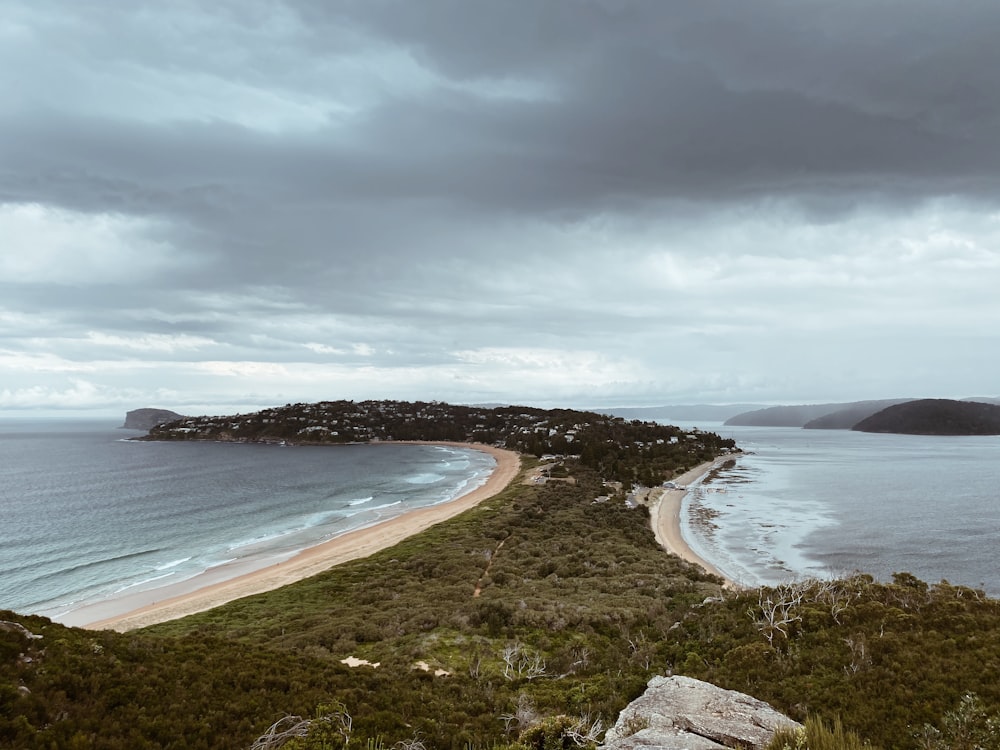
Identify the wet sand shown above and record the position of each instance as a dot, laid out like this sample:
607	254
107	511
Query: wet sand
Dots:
665	518
221	585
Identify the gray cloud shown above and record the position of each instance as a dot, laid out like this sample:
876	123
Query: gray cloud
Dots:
595	202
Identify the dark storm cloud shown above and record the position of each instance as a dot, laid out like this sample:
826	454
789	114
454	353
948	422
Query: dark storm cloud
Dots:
437	184
734	97
637	101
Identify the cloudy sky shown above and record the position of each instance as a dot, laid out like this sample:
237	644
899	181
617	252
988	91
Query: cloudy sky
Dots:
216	205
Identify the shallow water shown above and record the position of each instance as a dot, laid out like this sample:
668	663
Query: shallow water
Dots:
86	514
829	502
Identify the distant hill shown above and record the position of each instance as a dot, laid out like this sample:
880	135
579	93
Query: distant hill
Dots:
147	419
680	412
845	419
935	416
786	416
622	450
983	400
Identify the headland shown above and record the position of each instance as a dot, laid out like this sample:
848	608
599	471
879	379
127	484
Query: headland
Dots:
622	451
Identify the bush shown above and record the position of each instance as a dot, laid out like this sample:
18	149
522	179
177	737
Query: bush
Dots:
816	735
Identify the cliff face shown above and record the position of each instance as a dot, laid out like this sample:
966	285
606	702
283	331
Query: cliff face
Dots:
146	419
935	416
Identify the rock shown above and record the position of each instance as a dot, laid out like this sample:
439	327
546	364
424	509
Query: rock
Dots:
147	419
681	713
16	627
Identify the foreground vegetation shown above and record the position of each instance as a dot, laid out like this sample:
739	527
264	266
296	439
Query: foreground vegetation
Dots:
577	607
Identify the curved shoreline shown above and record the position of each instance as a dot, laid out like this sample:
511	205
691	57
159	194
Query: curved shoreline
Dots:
665	518
220	586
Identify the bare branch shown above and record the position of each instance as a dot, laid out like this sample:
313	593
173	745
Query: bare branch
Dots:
288	728
775	609
281	731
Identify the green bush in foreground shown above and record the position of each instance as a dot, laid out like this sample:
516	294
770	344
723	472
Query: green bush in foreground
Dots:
816	735
886	658
968	727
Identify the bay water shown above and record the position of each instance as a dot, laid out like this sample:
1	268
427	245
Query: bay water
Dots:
804	503
88	515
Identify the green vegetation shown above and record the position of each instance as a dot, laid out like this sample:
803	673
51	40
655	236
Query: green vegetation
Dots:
578	609
935	416
883	657
969	727
816	735
577	597
620	450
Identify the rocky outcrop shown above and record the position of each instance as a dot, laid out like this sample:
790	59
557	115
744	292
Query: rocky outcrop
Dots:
16	627
147	419
681	713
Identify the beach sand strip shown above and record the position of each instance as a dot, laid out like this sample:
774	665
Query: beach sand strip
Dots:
665	518
316	559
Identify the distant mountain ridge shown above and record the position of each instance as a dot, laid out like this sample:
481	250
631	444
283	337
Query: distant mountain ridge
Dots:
846	418
935	416
682	412
836	416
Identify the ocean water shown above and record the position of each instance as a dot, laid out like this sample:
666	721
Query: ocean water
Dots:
830	502
87	515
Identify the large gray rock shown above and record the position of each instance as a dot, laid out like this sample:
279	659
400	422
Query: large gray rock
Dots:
147	419
681	713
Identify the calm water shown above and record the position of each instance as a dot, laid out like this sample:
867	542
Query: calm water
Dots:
822	502
86	515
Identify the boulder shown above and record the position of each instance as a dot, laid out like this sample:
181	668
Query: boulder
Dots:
147	419
681	713
16	627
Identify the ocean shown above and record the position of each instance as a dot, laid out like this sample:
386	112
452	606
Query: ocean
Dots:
831	502
87	515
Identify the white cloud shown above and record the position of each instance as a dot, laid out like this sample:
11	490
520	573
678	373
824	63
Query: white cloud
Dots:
150	342
17	362
79	394
262	371
47	245
323	348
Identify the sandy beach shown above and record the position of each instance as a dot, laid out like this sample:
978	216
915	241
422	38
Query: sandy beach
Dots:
665	518
219	586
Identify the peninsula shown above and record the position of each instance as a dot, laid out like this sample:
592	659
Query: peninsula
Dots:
627	454
626	451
